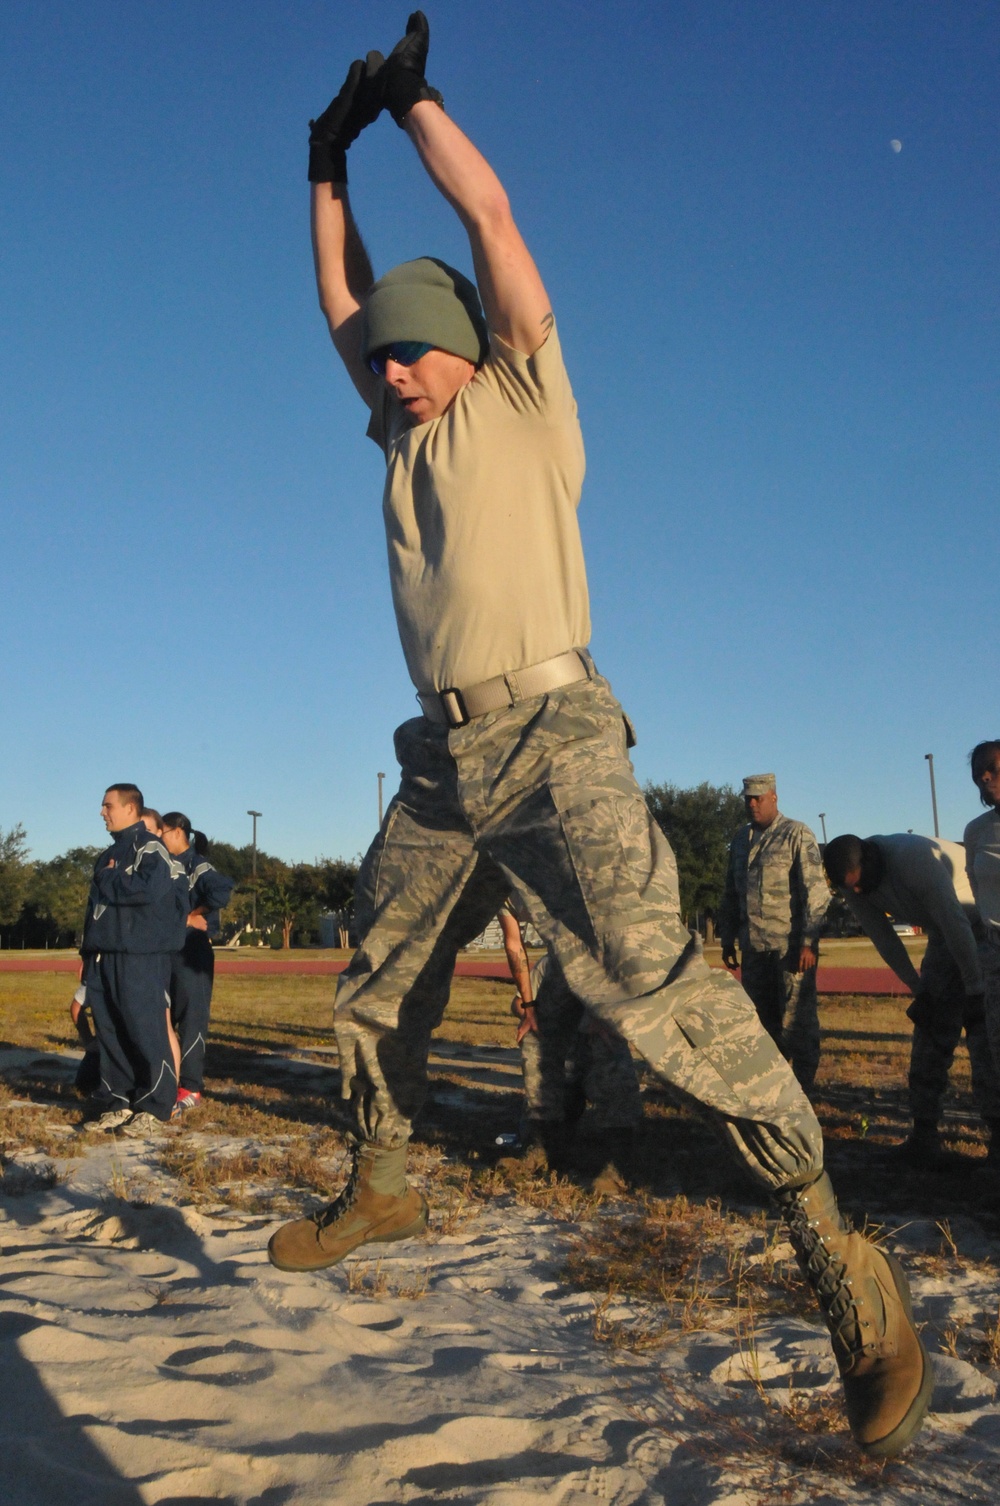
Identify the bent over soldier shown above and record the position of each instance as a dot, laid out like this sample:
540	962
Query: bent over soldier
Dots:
516	771
922	881
775	902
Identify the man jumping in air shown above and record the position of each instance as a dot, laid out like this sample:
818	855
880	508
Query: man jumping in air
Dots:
516	776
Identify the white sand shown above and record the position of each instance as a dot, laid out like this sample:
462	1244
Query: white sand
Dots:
151	1354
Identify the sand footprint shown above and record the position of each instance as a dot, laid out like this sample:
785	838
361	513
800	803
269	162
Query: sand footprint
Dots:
232	1364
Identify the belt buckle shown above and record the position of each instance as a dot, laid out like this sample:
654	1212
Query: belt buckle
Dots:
453	707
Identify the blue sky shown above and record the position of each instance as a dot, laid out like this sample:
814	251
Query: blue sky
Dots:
782	334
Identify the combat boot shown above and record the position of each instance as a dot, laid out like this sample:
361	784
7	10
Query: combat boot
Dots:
993	1146
617	1148
865	1300
922	1146
376	1205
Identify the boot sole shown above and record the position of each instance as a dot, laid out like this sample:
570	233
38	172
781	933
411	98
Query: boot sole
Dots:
907	1429
409	1231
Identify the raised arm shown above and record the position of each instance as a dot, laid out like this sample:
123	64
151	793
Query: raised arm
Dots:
343	277
515	302
343	270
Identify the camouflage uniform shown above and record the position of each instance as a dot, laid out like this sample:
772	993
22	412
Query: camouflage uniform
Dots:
540	799
572	1048
924	883
775	902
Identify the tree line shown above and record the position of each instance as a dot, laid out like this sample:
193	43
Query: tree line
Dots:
43	903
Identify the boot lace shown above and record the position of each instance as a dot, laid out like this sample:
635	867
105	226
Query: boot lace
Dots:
344	1199
826	1271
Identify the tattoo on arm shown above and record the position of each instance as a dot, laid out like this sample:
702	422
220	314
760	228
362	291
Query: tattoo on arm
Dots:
547	321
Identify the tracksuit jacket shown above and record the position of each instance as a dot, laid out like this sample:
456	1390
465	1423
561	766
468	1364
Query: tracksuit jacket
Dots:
141	904
209	887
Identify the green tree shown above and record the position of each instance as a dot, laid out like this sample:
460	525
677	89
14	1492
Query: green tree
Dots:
699	824
338	878
57	890
14	873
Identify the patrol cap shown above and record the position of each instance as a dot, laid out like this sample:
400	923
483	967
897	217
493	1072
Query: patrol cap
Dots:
429	301
759	784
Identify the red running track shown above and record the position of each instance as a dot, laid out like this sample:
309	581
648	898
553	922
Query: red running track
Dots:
830	980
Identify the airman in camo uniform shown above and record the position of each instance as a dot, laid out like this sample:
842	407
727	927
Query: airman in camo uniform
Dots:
569	1058
922	881
517	771
775	902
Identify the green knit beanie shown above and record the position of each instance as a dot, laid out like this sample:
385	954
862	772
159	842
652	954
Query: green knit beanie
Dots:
429	301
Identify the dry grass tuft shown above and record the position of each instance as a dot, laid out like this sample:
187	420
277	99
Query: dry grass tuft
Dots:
37	1114
699	1263
17	1178
255	1177
369	1278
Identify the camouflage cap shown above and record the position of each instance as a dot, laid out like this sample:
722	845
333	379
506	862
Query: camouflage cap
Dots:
759	784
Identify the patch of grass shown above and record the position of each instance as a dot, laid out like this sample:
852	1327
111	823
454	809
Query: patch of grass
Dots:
692	1260
770	1453
369	1278
18	1178
259	1176
37	1114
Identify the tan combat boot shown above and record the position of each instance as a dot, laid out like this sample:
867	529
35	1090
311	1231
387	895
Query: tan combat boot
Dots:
866	1302
376	1205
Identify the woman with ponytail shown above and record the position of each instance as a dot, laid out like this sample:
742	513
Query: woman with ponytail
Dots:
193	969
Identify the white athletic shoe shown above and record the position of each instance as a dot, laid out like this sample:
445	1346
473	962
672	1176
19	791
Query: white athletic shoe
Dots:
141	1125
111	1119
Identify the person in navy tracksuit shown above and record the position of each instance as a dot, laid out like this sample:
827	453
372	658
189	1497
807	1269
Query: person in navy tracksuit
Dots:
193	968
136	917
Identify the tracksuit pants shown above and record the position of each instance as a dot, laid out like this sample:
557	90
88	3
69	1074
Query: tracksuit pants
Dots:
128	995
191	974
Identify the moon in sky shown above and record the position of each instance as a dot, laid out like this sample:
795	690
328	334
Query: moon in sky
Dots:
897	146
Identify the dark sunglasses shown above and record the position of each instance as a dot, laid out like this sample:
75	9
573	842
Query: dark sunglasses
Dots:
403	352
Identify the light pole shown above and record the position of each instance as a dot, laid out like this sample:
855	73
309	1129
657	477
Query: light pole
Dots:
253	922
822	817
930	764
380	778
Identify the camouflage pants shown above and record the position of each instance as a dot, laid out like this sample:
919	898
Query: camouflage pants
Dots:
540	799
573	1047
786	1005
933	1050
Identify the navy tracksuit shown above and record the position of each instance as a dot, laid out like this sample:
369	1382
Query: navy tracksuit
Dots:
136	913
193	968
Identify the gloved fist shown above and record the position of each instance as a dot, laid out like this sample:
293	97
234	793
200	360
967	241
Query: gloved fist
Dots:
403	75
359	102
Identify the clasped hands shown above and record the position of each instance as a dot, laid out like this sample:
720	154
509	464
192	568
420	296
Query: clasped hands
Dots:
373	84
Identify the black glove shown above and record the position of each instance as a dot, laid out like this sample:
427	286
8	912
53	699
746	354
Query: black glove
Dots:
403	74
356	106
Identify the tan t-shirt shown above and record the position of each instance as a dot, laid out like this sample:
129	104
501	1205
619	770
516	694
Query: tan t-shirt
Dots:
485	557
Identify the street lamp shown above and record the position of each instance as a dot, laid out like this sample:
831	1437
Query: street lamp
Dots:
822	817
380	778
930	764
253	922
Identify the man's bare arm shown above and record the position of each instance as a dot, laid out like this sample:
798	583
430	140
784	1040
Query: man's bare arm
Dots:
343	277
517	957
514	298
